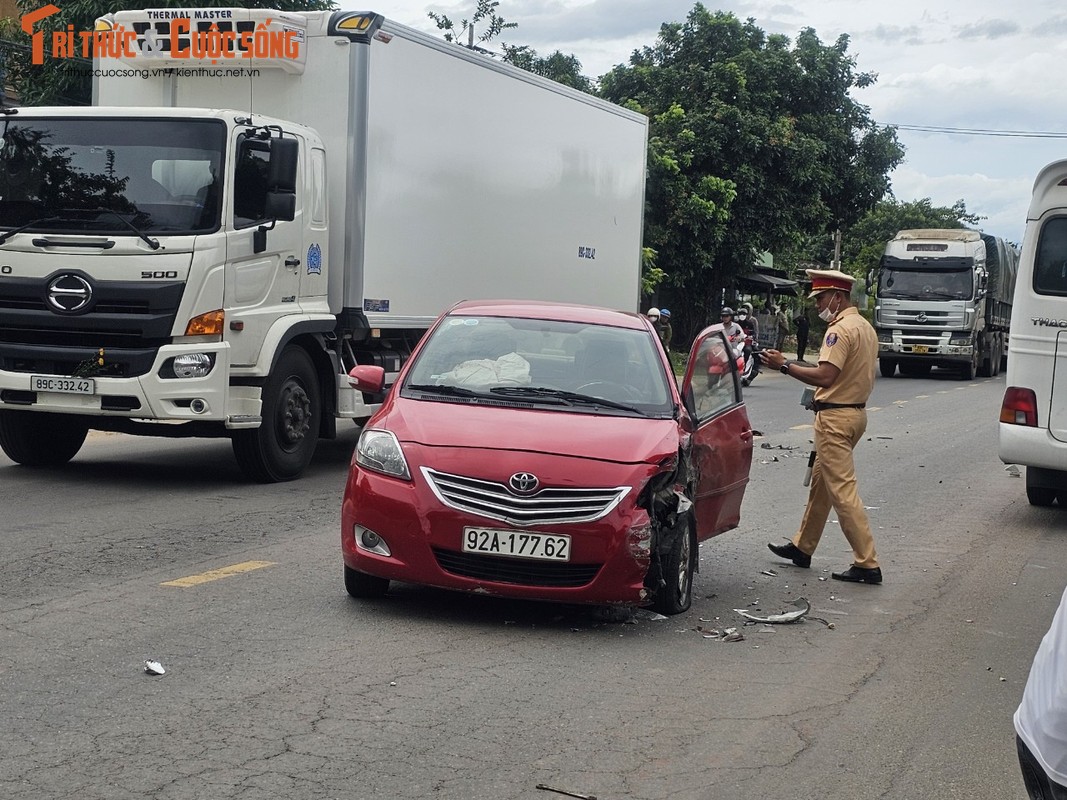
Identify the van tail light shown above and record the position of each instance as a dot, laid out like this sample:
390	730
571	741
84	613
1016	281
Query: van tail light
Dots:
1019	407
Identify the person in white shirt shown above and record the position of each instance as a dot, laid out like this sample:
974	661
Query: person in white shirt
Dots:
1041	719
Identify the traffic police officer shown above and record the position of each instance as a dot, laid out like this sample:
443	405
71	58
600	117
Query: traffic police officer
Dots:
843	379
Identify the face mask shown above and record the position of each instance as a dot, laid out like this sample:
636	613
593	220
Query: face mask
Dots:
826	314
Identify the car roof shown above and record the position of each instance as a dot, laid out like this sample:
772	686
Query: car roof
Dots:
539	309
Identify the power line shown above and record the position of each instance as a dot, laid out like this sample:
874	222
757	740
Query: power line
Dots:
979	131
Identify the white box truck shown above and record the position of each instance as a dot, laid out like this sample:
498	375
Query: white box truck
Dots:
1033	415
257	201
944	299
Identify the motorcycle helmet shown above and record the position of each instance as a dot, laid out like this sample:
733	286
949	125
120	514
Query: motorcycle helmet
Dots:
742	313
726	312
653	313
665	313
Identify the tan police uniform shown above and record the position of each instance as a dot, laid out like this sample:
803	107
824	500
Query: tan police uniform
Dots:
851	345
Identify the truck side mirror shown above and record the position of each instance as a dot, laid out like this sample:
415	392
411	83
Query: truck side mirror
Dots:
280	205
284	156
871	281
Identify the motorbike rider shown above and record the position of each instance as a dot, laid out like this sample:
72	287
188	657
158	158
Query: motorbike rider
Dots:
664	328
751	328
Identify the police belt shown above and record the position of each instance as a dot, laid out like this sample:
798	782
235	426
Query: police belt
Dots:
818	406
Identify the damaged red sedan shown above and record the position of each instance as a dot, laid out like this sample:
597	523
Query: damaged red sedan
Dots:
545	451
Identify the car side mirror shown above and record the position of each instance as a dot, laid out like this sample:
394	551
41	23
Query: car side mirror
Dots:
367	378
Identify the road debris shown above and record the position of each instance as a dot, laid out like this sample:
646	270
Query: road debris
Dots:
546	788
724	635
784	618
770	572
1013	471
154	668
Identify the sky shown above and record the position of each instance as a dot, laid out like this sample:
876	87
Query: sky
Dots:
980	65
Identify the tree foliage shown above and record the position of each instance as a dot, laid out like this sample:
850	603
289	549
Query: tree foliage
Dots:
565	69
485	12
864	243
55	83
755	143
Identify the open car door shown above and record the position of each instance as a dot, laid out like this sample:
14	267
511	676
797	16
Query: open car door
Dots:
722	441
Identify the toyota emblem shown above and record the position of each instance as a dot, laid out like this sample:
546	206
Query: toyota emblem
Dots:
69	294
523	483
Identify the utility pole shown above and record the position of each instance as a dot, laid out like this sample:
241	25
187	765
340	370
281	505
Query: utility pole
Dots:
837	250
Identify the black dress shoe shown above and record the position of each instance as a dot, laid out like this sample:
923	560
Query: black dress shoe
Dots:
856	574
791	552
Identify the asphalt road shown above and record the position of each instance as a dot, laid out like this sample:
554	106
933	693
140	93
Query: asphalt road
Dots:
278	685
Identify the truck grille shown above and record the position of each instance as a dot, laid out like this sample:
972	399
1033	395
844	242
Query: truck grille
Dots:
129	321
547	507
519	571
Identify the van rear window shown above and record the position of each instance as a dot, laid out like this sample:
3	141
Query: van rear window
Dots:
1050	262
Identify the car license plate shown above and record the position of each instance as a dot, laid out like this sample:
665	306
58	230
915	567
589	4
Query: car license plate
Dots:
517	544
51	383
920	348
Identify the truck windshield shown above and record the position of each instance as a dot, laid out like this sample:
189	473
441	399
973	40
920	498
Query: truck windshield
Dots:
906	284
111	176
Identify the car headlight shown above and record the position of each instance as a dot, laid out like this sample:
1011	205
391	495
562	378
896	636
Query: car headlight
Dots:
380	451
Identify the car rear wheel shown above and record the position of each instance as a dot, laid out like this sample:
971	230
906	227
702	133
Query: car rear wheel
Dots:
360	584
1040	495
679	564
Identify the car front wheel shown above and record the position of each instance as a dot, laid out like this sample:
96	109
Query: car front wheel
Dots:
679	564
360	584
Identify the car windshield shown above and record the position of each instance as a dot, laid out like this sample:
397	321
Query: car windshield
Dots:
110	176
906	284
556	365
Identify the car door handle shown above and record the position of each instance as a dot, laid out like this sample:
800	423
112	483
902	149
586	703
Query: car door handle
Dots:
292	262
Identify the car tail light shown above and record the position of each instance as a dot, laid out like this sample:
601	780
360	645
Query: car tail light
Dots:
1019	407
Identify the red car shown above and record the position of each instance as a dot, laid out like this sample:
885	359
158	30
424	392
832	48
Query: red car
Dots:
544	451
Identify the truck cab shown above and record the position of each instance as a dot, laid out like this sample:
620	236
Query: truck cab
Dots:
941	302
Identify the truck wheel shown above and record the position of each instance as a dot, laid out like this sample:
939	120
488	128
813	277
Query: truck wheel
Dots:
679	564
282	446
969	369
360	584
998	354
888	367
985	369
41	440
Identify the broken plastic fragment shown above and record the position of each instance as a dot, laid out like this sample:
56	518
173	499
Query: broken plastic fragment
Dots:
1013	471
732	635
803	607
154	668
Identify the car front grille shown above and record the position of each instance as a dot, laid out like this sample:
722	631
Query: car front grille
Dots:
520	571
549	506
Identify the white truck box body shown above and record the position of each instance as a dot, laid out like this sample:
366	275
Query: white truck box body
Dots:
451	176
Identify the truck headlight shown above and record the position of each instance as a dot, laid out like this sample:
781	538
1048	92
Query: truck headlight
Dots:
886	337
380	451
188	365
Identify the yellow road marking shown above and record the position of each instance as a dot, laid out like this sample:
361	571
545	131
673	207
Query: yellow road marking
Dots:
217	574
874	408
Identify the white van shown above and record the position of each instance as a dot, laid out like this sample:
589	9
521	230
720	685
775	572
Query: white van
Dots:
1033	416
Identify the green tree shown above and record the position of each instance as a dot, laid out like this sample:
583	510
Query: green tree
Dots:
485	12
54	83
754	143
864	243
565	69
